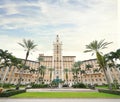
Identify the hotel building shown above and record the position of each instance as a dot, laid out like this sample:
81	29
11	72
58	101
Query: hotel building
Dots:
59	63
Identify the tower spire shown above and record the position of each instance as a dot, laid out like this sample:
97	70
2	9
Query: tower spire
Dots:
57	38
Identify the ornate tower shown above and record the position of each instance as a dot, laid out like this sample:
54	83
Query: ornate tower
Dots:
57	59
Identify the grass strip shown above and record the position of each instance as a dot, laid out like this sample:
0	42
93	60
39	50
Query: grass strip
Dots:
65	95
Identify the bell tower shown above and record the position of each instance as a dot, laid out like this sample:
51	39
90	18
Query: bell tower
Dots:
57	59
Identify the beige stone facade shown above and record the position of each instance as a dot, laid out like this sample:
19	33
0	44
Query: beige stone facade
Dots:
98	77
58	63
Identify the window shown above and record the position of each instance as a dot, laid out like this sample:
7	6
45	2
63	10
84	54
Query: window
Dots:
6	79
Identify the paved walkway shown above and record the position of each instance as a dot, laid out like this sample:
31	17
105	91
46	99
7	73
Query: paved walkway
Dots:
61	90
59	100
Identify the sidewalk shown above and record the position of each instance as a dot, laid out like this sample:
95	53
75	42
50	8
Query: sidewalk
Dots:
61	90
59	100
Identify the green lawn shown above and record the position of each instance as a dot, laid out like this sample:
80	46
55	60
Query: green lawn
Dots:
65	95
102	87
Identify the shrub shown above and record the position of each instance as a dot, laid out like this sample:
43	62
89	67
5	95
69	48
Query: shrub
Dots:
65	85
6	85
79	85
91	86
40	86
109	91
11	92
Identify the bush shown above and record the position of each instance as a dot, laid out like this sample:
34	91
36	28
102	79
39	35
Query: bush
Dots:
40	86
6	85
65	85
109	91
11	92
79	85
91	86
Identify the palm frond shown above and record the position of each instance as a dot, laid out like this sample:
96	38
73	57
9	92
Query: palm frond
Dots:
21	45
87	51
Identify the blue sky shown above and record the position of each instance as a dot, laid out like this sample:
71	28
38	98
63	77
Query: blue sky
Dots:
78	22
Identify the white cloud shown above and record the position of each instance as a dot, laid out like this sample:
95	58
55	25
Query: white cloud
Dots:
93	20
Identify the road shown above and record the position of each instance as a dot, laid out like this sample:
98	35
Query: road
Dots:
58	100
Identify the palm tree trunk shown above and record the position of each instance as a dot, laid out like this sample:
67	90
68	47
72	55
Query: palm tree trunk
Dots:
67	77
27	54
4	77
108	80
21	71
11	75
38	78
117	70
20	79
50	76
109	73
91	79
103	64
81	78
118	75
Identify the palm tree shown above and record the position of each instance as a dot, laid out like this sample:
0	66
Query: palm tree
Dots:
81	74
118	54
41	71
15	62
66	74
39	59
28	45
110	59
4	58
95	47
51	70
5	62
78	65
75	71
88	68
95	70
33	71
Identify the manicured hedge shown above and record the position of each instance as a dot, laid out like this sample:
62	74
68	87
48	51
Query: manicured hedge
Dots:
8	93
79	85
40	86
65	85
109	91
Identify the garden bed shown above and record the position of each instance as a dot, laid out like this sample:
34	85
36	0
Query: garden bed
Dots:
8	93
109	91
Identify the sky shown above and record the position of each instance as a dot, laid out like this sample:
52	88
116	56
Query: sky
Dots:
77	22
